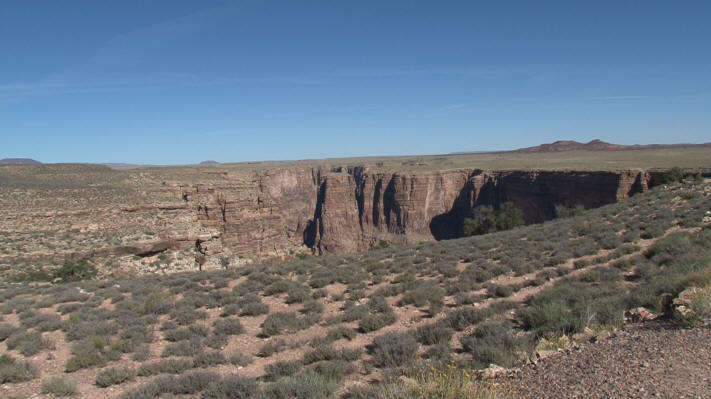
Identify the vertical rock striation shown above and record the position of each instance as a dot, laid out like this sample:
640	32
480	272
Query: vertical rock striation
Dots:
282	211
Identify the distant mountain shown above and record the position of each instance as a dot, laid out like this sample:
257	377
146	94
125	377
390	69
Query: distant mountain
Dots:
19	161
209	163
598	145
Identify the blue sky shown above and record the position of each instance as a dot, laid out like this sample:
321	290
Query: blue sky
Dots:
169	82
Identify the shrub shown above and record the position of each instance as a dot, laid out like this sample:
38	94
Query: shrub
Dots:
285	322
168	366
114	376
486	220
59	387
312	306
328	352
423	293
309	385
183	348
442	381
75	271
12	371
28	343
435	333
209	359
271	347
340	333
216	341
230	326
232	387
83	360
190	332
499	291
254	309
394	350
673	175
40	321
192	383
240	359
6	330
375	322
698	302
297	294
493	342
334	369
277	370
462	318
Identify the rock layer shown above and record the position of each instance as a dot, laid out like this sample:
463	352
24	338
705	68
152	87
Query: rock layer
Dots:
341	210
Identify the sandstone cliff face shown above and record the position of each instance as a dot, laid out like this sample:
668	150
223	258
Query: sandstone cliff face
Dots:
282	211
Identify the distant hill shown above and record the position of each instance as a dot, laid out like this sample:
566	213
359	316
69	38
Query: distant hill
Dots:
598	145
19	161
209	163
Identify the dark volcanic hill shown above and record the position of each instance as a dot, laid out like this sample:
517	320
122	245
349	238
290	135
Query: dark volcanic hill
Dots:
19	161
598	145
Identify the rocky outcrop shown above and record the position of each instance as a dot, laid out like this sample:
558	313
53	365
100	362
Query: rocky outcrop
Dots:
282	211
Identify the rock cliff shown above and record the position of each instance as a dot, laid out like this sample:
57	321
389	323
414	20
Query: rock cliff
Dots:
282	211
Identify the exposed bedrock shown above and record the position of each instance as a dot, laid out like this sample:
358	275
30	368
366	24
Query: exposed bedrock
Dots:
351	209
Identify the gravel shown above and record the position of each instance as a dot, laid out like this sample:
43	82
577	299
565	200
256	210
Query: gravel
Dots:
652	360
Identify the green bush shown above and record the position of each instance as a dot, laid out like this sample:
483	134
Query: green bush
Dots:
59	387
286	322
240	359
334	369
254	309
84	360
375	322
271	347
432	334
493	342
114	376
28	343
232	387
485	219
183	348
460	319
209	359
6	330
309	385
673	175
190	332
165	366
75	271
394	350
230	326
12	371
276	370
341	332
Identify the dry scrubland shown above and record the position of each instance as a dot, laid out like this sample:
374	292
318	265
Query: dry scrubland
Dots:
51	213
395	322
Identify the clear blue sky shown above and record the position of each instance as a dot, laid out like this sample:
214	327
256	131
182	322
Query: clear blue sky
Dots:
169	82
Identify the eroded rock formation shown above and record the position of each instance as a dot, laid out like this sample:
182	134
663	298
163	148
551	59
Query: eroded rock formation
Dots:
351	209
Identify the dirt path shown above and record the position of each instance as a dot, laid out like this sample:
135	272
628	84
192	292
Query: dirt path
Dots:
644	361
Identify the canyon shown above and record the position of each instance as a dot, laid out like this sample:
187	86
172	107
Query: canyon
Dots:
168	219
352	209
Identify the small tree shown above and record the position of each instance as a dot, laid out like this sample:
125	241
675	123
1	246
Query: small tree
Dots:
486	220
481	222
75	271
673	175
508	217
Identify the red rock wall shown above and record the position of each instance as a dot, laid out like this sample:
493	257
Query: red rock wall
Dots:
281	211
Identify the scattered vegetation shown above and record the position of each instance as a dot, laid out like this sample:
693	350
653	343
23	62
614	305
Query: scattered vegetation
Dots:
584	269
